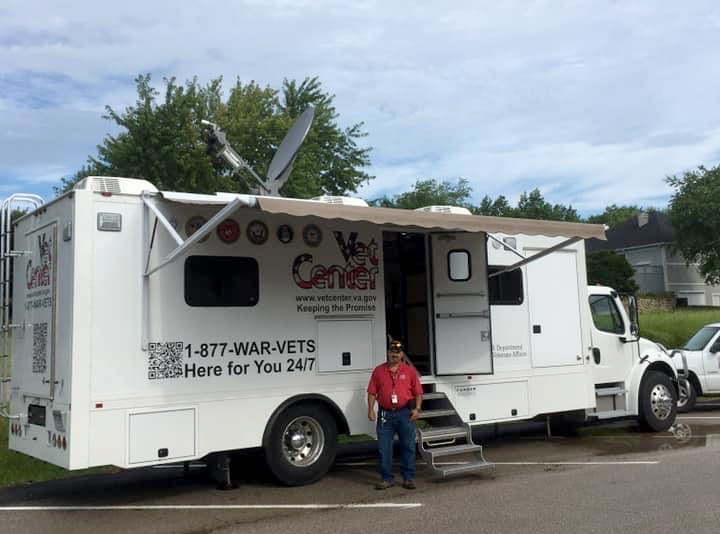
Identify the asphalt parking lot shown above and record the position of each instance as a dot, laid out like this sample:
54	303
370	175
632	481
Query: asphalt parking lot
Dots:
608	478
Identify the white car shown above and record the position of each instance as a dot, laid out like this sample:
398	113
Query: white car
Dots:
702	352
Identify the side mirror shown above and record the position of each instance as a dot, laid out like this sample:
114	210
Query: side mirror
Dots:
715	348
634	329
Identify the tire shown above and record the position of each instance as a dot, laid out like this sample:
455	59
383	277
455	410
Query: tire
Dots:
689	403
301	445
657	402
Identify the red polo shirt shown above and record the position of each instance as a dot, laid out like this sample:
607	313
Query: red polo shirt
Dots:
404	382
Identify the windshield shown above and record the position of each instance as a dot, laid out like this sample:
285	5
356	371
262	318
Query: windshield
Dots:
701	338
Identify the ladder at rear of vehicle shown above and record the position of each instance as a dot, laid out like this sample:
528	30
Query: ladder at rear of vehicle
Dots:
7	253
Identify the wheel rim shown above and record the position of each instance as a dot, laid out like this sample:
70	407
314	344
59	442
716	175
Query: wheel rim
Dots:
685	390
303	441
661	401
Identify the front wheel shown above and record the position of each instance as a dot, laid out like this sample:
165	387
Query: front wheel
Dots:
687	404
657	402
302	444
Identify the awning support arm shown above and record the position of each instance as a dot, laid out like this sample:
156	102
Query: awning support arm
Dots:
537	256
150	203
204	230
510	248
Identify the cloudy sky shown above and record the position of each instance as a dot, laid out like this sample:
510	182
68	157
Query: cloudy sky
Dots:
593	102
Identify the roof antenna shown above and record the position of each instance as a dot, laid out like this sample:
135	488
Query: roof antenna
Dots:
282	162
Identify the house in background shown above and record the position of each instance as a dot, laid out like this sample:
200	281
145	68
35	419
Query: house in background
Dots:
646	242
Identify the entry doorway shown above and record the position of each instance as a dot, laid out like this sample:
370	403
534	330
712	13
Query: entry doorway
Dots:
406	295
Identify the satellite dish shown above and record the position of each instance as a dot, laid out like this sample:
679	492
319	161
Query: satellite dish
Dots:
282	162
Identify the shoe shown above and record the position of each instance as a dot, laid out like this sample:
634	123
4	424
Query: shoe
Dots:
383	484
409	484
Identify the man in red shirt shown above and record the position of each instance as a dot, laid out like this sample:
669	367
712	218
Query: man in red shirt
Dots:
393	385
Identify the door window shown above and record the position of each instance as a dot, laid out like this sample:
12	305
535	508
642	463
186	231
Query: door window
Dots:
459	265
606	315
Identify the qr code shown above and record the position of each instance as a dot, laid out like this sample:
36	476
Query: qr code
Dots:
165	360
40	338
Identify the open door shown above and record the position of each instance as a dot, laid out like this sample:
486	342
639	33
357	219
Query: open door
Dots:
461	305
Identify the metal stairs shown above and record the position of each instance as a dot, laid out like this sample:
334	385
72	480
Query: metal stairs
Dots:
610	401
442	434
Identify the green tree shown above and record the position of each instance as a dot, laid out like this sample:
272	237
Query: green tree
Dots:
695	216
162	141
610	269
500	207
532	205
615	214
430	193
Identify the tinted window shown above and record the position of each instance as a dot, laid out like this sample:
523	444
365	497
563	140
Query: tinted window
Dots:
221	281
505	288
606	315
701	338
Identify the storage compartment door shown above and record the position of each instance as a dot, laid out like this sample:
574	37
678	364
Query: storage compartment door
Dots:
160	436
554	304
345	345
37	308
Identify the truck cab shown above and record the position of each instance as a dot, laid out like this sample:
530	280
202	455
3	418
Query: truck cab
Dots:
702	352
631	374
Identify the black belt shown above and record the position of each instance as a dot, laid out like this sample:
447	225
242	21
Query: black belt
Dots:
394	409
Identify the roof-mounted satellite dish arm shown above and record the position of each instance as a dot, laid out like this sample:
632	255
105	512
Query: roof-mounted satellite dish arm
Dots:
218	141
281	165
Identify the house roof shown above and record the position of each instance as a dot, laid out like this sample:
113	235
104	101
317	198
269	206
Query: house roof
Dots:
629	233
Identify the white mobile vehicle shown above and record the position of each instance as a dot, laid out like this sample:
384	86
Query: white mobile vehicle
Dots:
153	327
702	352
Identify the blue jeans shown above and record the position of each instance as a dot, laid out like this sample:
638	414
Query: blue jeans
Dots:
391	423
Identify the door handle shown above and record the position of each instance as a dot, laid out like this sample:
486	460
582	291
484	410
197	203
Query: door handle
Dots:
596	354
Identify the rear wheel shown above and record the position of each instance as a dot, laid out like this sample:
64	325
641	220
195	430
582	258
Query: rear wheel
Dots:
302	444
688	390
657	402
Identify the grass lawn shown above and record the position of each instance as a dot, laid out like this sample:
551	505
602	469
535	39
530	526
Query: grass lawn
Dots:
674	328
17	468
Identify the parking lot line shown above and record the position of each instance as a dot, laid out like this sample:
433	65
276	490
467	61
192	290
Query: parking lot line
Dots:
684	417
151	507
618	462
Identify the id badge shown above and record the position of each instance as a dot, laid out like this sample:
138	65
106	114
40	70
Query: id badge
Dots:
393	399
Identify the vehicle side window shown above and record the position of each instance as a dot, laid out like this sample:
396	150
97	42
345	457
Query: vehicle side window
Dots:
606	315
505	288
221	281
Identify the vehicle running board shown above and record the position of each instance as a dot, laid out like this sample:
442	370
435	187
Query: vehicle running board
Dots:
611	414
443	435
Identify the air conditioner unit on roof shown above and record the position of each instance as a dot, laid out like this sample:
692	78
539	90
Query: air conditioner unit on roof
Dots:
457	210
112	184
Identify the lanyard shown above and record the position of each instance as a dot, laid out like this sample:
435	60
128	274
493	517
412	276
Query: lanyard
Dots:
393	376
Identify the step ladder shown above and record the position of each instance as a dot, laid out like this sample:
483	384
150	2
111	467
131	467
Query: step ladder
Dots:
443	435
610	401
7	253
